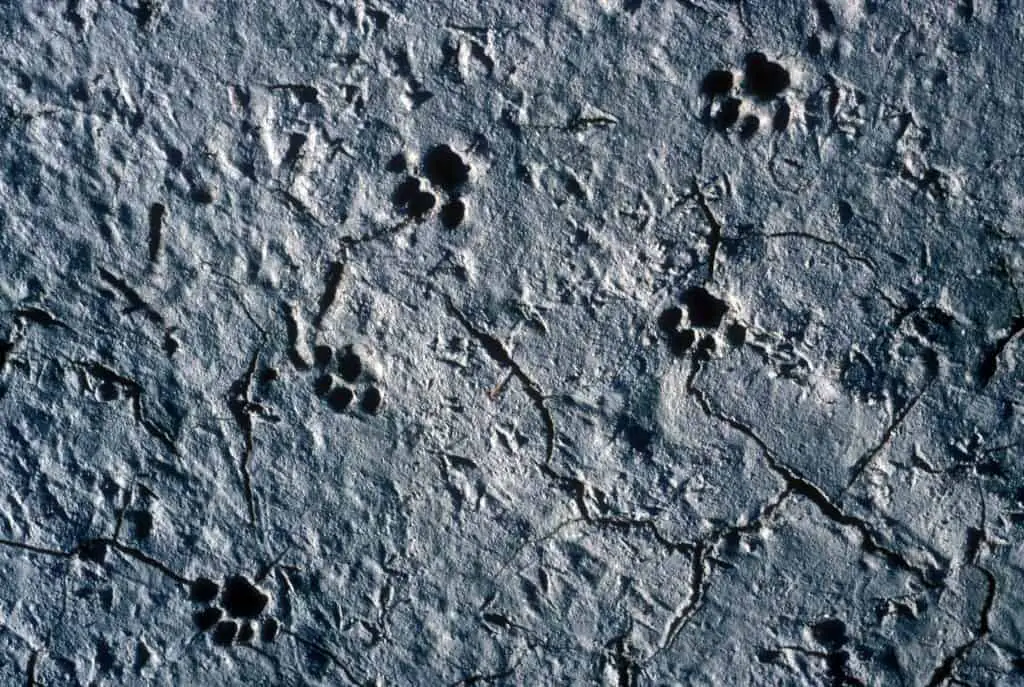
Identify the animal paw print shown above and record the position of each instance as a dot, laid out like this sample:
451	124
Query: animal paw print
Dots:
763	84
446	173
338	374
235	618
704	315
705	312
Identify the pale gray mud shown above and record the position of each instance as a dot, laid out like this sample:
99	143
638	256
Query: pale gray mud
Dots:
583	342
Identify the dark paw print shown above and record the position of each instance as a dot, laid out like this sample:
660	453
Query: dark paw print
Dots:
703	311
445	172
830	633
742	105
232	612
826	38
337	376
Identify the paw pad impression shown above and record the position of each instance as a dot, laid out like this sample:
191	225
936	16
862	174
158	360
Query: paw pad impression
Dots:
741	104
231	612
441	171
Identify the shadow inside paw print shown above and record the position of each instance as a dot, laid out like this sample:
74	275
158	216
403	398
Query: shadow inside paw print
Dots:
763	78
704	311
445	172
763	84
412	200
337	376
231	612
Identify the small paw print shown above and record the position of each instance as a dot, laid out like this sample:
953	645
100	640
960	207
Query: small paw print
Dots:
338	374
703	312
231	613
745	103
445	172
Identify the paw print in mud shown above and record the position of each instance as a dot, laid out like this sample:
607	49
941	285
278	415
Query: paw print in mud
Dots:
703	313
743	104
440	172
234	612
342	377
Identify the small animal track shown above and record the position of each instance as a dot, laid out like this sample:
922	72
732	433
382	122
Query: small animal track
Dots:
703	311
744	104
830	633
826	37
445	172
337	374
230	612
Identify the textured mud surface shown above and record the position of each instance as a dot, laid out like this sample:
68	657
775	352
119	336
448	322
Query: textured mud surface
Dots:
621	342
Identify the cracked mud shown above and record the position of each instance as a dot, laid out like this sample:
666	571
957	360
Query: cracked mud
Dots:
626	342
